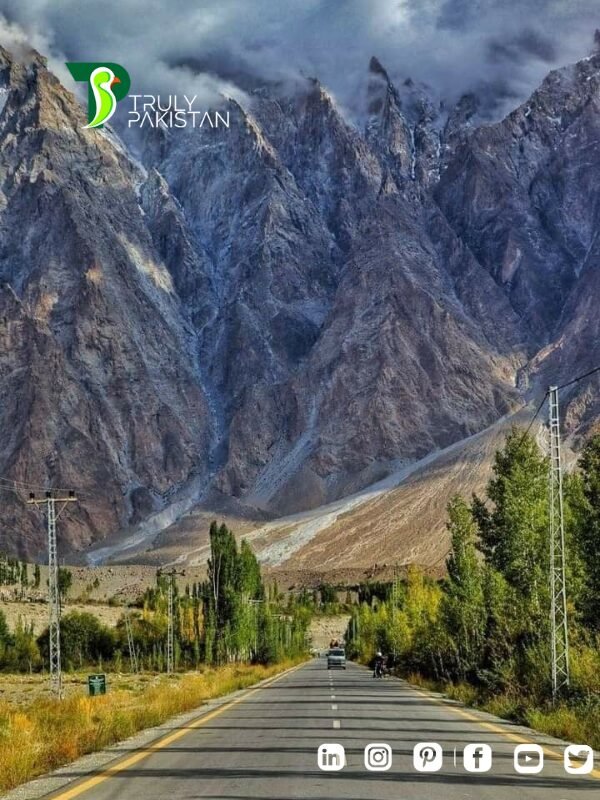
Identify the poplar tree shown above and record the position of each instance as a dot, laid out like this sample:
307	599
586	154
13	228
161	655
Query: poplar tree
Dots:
463	607
513	525
587	525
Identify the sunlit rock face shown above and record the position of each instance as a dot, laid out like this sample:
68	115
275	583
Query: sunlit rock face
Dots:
282	311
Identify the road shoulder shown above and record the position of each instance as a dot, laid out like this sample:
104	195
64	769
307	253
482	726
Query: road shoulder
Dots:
506	728
97	762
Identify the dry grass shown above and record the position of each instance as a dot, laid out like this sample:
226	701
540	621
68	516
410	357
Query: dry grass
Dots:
581	725
42	736
578	722
24	689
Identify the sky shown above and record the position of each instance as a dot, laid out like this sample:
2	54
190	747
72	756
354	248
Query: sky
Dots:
208	47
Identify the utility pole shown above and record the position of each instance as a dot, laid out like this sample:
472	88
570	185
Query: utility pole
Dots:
171	617
254	604
396	586
170	629
53	586
558	583
130	643
395	601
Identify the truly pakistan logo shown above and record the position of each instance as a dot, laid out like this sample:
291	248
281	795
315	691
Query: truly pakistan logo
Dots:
107	84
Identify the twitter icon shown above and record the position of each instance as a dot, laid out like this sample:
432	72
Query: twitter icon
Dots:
579	759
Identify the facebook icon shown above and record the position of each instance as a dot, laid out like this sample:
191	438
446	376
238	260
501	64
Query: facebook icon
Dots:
477	758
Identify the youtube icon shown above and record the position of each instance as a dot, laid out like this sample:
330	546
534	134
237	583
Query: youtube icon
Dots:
528	759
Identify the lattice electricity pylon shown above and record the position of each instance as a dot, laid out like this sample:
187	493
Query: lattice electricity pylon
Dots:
170	629
558	583
131	644
396	585
53	586
171	617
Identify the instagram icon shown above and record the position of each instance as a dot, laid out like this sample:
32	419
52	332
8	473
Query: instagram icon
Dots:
378	757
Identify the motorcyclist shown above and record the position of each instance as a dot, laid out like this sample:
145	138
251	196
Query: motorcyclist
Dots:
378	670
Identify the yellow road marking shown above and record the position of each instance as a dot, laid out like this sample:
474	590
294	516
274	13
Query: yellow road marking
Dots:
496	728
129	761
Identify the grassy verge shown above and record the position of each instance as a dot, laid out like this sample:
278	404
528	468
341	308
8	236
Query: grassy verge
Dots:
577	722
44	735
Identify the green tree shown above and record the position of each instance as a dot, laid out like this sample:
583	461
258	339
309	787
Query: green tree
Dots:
65	581
252	595
25	656
222	580
586	491
5	637
242	621
513	533
83	640
501	630
463	607
249	578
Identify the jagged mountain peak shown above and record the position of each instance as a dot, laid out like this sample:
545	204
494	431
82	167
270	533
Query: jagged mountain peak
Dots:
23	57
377	68
285	310
381	94
256	133
532	165
98	349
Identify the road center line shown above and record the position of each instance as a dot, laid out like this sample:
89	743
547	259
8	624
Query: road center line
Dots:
337	724
334	707
159	743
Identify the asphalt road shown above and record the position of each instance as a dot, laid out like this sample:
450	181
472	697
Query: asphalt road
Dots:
265	744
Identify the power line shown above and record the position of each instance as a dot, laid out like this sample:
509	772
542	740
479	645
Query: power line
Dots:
539	408
558	388
23	535
10	484
580	378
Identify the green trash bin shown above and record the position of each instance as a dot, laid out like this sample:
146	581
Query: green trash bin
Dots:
96	685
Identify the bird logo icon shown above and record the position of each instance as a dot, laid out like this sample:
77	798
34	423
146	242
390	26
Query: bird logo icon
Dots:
107	84
102	80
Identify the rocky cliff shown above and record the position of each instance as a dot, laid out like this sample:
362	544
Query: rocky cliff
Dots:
285	311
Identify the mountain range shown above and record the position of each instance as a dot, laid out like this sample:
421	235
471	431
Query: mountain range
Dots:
264	319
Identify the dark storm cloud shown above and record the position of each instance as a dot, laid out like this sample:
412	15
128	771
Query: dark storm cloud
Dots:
230	45
522	48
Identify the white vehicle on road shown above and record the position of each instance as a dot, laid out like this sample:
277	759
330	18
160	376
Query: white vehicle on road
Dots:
336	657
